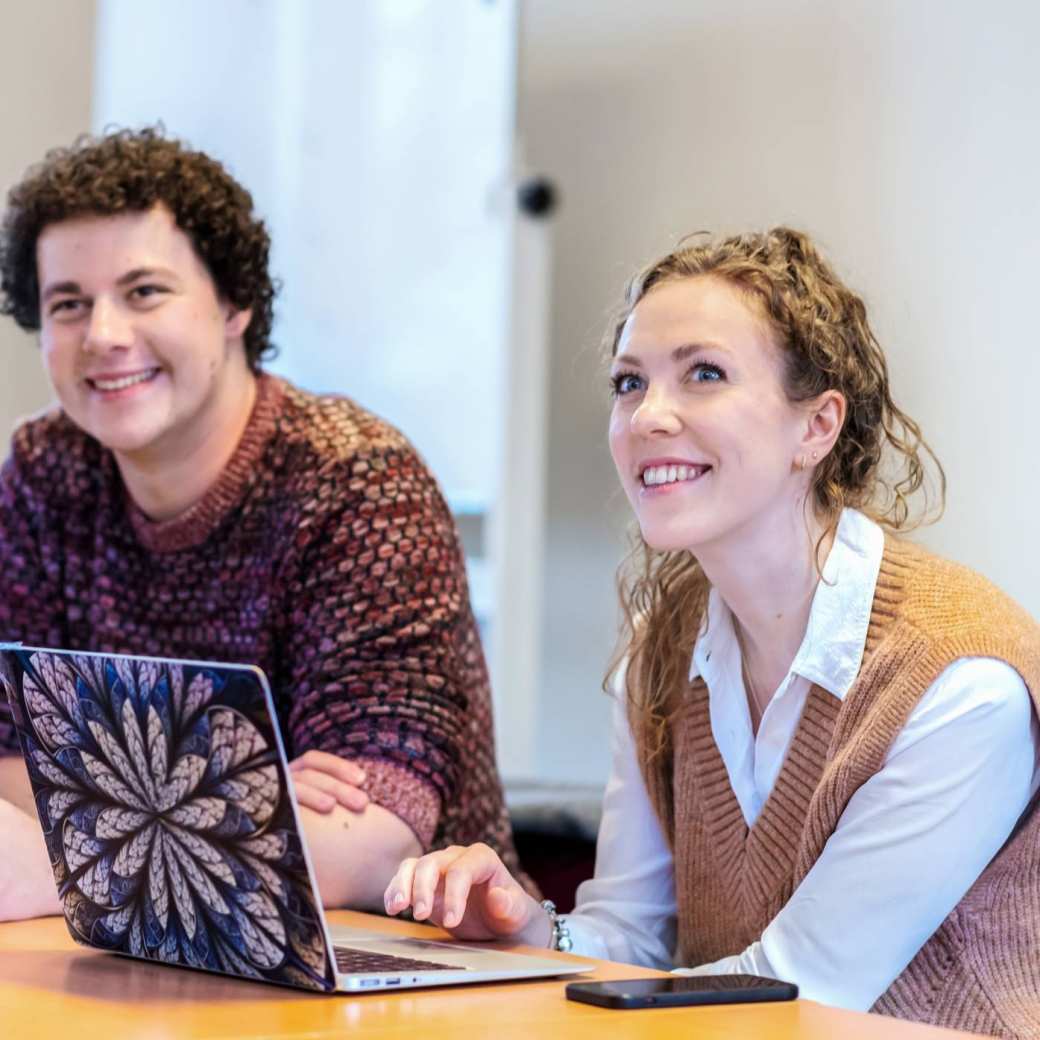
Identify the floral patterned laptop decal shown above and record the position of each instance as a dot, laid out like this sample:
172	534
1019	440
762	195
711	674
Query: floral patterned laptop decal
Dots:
164	804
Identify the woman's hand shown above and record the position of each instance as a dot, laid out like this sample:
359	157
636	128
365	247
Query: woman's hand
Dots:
322	781
469	892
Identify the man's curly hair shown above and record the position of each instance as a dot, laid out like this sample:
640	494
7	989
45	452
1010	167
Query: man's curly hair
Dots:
127	171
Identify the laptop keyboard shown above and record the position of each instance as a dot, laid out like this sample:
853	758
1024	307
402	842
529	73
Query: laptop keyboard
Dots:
355	962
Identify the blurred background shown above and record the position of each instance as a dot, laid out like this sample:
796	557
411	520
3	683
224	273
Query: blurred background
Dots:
387	141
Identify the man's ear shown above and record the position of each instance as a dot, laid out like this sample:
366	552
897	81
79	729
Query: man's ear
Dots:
825	418
237	321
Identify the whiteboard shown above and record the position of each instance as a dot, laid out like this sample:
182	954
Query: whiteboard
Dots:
377	139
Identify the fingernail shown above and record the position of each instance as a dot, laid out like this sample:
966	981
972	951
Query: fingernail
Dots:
451	918
420	909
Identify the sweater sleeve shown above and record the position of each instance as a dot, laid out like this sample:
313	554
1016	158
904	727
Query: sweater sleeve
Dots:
911	842
381	634
28	586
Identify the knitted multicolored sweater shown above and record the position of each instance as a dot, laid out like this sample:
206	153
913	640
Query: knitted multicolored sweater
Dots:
324	554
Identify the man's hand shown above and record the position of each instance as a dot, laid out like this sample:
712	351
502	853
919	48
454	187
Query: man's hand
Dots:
27	886
469	892
355	845
322	781
26	880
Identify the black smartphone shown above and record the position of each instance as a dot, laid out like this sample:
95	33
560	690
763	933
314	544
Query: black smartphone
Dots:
681	990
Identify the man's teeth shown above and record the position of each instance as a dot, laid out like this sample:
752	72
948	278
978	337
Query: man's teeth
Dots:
670	474
124	381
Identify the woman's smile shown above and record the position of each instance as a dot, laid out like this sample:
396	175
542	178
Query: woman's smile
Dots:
702	432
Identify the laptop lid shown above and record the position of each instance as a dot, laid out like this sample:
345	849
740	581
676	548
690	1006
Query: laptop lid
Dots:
161	789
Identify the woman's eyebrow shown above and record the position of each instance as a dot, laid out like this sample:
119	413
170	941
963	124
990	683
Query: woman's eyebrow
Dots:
628	359
689	349
679	354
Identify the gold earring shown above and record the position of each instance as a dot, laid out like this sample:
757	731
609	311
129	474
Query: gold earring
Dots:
799	463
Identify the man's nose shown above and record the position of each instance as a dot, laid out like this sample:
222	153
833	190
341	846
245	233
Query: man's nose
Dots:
109	327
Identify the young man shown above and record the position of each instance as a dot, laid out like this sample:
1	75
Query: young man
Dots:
183	503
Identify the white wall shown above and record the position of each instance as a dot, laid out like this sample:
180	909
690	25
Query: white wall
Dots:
46	66
903	134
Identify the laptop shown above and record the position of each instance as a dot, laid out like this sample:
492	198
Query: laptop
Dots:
163	793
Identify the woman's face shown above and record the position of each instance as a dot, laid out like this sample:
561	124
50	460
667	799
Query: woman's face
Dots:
703	436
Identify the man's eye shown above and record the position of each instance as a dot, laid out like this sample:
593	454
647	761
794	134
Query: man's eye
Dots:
64	307
625	382
145	292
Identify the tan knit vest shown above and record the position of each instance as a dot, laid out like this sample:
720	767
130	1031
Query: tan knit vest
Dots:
980	970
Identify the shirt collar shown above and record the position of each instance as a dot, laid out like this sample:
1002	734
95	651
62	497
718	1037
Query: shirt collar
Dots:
831	652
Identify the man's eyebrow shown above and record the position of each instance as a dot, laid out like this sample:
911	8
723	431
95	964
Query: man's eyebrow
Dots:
143	272
60	287
74	289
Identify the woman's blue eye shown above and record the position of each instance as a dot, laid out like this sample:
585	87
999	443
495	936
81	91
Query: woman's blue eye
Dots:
707	373
625	382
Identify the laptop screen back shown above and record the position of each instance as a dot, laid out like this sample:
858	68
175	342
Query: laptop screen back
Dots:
165	807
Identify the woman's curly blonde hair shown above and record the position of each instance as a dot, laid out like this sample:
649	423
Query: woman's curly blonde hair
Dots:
877	464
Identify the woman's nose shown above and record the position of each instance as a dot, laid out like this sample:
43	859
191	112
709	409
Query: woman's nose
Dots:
656	414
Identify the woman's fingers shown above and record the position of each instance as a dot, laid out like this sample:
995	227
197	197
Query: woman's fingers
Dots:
458	880
398	895
507	907
427	879
467	890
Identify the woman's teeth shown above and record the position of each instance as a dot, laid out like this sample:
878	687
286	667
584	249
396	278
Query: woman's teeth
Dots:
654	475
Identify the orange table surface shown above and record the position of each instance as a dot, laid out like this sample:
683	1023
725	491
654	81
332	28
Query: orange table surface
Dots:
50	987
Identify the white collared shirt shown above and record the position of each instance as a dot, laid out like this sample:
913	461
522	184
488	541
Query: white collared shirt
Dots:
910	843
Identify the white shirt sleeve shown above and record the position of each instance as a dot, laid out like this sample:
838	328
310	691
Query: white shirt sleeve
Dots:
627	911
911	842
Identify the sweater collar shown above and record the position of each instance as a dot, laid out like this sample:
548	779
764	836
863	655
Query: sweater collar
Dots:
831	651
192	527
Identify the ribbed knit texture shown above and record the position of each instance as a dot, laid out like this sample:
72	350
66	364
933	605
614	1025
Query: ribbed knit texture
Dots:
324	554
980	971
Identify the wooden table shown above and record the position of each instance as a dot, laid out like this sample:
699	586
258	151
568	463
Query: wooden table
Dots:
50	987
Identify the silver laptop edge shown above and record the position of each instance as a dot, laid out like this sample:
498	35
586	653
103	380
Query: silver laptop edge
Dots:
60	718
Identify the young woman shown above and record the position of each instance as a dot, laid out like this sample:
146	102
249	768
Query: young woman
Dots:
825	749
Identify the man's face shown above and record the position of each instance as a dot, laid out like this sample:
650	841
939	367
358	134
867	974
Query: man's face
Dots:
140	348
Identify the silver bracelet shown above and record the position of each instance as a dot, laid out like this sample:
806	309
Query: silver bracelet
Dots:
561	934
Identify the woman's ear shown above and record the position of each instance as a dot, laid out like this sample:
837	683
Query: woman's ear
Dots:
825	417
